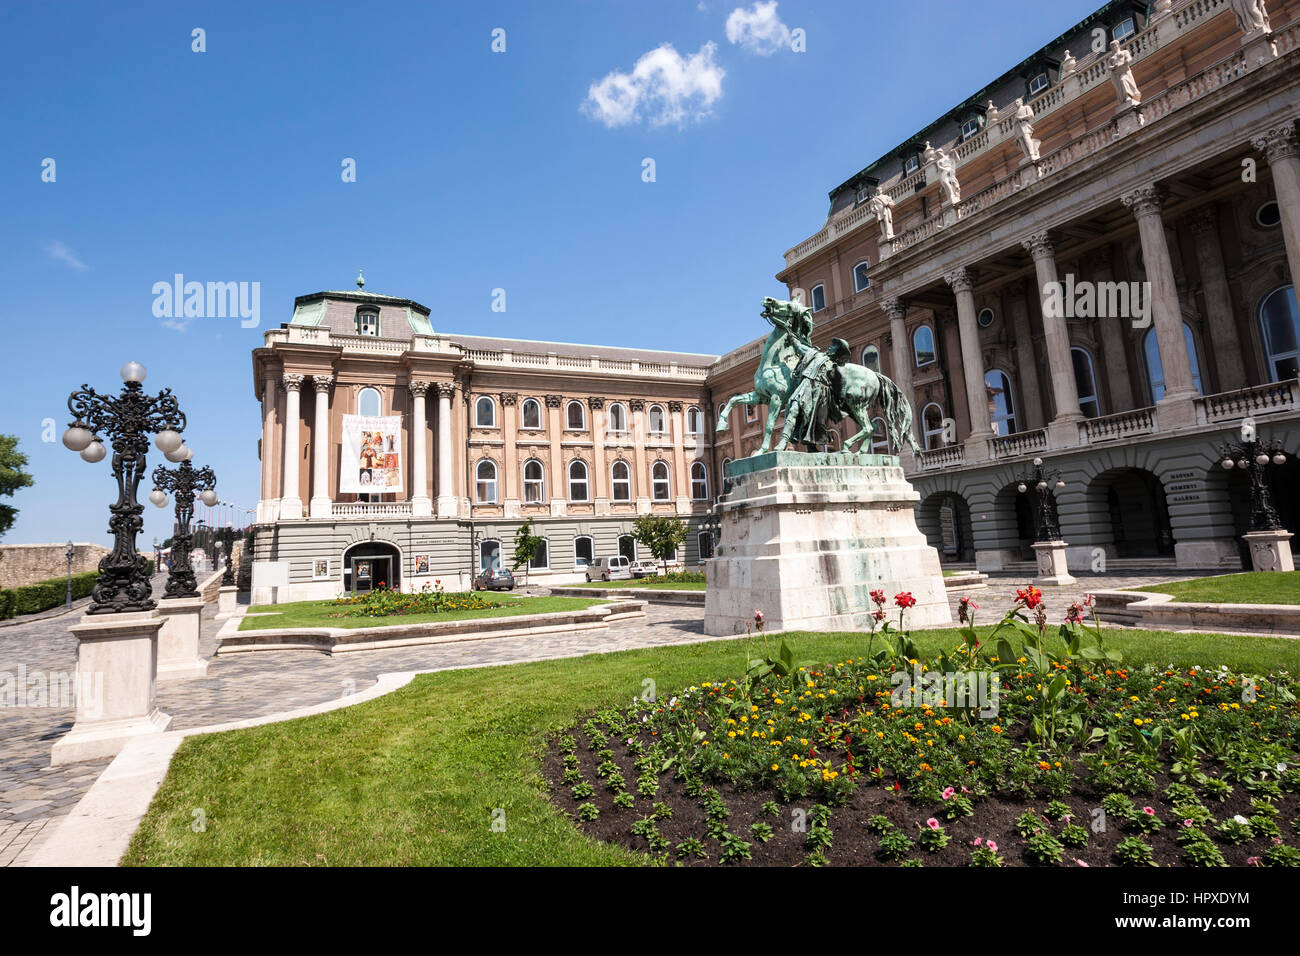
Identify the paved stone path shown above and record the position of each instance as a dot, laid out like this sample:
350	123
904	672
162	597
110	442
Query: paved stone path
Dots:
32	793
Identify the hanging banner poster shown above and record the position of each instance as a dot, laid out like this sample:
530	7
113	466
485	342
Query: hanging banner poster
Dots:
372	458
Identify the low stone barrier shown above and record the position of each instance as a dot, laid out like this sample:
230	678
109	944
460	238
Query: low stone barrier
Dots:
652	595
1158	611
338	640
965	580
211	586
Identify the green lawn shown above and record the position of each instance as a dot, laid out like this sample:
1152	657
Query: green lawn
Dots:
653	583
413	778
318	613
1251	587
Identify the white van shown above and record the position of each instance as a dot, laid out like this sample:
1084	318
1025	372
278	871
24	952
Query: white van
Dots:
616	568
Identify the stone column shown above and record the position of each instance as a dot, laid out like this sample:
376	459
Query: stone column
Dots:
291	498
901	352
1113	339
446	502
977	399
267	504
510	478
421	503
680	472
559	484
321	502
641	469
600	490
1030	413
1062	430
1281	148
1224	343
1145	203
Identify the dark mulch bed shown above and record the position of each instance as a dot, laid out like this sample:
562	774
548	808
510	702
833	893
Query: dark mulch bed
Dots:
853	844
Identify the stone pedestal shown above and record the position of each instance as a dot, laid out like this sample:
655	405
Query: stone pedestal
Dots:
117	659
1270	550
1053	571
178	641
227	601
806	537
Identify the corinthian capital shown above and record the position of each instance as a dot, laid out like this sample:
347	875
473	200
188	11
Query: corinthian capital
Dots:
1039	245
595	402
894	307
420	388
293	381
445	389
1277	142
509	398
959	280
1143	201
322	382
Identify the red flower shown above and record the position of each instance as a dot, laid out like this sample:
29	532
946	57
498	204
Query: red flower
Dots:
964	607
879	597
878	614
1075	614
904	599
1030	597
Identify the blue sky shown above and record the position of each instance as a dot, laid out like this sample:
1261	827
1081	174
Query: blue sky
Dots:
475	170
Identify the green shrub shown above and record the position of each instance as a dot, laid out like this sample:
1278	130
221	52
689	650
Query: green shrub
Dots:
8	603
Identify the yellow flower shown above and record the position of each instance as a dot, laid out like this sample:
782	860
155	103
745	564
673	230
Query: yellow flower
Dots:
776	766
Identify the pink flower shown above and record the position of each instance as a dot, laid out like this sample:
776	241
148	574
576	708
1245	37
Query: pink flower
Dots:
963	789
1187	822
1252	861
948	793
992	846
977	841
1149	811
1080	862
1089	600
932	823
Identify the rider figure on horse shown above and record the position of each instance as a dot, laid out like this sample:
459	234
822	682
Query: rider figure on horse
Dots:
814	402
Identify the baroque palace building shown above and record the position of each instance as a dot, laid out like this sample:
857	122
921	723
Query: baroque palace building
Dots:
1089	261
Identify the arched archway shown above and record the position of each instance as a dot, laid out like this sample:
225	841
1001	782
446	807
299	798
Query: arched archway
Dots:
944	518
1131	503
1016	511
370	564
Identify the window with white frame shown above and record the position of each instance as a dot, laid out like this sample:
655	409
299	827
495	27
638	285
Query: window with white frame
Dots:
970	127
485	412
1086	382
575	416
1279	324
541	559
818	298
657	419
910	165
704	542
1002	410
485	482
1155	368
699	482
871	358
584	551
923	345
1123	30
489	555
751	413
367	322
534	482
861	281
659	489
879	437
932	417
532	413
620	480
618	417
369	402
694	421
726	482
578	480
627	546
1038	82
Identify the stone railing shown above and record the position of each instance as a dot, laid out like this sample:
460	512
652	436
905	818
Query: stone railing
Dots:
370	509
1193	88
1020	443
941	457
1253	400
1140	421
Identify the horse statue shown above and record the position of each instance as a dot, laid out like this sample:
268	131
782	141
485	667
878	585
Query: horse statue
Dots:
774	377
859	388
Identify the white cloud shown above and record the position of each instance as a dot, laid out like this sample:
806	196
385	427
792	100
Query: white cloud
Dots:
758	29
62	252
663	88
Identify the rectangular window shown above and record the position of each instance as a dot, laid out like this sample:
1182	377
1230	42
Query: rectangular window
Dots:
1124	29
818	298
911	165
1038	84
367	323
970	128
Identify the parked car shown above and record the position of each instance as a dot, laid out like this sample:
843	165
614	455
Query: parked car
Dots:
616	568
494	579
644	569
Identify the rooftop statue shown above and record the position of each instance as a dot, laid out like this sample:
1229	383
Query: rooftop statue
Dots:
816	388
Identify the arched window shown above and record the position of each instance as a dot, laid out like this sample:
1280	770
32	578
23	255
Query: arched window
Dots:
818	298
617	417
584	551
1280	328
489	554
532	413
1002	410
694	421
485	482
627	546
699	482
834	440
861	281
659	481
534	482
871	358
575	416
657	418
577	480
932	417
485	412
620	479
369	402
1156	369
705	543
1086	382
923	345
726	482
367	322
541	559
879	437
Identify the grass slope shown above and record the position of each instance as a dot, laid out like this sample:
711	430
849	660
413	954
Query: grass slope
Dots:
1251	587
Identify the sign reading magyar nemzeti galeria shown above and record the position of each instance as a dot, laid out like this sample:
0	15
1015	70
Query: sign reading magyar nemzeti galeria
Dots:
805	536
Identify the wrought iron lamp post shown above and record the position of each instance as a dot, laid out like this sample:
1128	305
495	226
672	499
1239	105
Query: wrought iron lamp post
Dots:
71	551
183	481
126	420
227	537
1253	456
1045	482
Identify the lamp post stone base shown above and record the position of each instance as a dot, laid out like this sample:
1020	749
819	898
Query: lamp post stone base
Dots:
178	641
1270	550
117	660
1053	571
227	601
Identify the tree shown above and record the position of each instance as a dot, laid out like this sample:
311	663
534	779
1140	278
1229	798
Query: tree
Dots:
662	534
12	477
526	545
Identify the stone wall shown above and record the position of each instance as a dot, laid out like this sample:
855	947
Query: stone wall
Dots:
28	563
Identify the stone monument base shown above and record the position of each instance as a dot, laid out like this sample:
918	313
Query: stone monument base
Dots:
178	641
227	601
1270	550
805	538
1053	570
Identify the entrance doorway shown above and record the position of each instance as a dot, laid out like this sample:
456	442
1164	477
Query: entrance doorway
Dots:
370	566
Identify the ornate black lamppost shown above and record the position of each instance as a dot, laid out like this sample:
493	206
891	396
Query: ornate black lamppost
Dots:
1044	482
183	481
127	420
227	537
68	601
1253	456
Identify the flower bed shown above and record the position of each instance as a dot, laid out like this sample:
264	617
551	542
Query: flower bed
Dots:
381	602
1037	746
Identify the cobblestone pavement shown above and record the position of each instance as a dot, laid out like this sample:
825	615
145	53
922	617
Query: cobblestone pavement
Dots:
32	793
